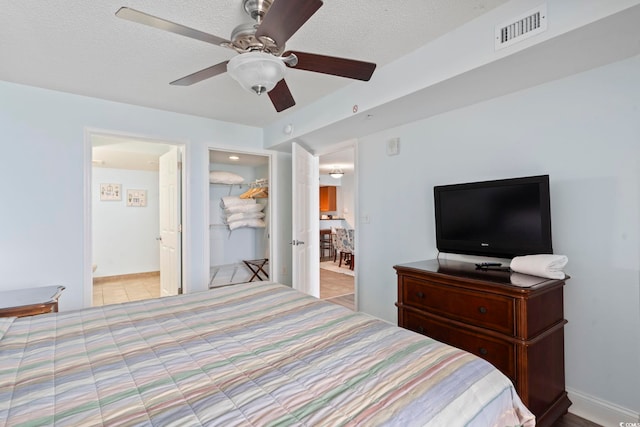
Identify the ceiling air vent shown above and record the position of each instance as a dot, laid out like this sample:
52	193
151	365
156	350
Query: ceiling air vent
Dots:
522	27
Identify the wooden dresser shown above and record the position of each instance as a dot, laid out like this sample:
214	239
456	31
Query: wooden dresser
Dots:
512	320
30	301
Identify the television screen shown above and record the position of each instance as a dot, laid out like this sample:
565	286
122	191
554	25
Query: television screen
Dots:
501	218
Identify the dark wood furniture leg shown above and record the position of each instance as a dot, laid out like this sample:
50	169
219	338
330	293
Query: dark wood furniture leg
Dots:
256	267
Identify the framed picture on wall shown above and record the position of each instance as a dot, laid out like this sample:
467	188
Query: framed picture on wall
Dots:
110	192
137	198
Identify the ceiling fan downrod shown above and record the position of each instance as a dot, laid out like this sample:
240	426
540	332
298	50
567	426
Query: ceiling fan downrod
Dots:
256	9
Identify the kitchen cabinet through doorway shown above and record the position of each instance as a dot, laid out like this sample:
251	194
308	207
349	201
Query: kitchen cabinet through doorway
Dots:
328	199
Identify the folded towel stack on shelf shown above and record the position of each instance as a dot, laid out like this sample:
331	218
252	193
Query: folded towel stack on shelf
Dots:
242	212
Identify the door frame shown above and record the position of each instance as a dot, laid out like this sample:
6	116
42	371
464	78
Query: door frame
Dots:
87	251
345	145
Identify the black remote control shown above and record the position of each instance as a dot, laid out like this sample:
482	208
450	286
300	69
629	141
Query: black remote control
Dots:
488	264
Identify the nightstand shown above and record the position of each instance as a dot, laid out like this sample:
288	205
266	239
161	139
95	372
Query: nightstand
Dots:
29	301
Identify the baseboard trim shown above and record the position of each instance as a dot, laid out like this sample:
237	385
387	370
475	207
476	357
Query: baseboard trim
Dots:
106	279
600	411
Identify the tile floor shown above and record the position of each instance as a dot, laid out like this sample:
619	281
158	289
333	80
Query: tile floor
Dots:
130	287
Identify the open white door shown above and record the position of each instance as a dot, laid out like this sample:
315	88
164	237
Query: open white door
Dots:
170	224
305	224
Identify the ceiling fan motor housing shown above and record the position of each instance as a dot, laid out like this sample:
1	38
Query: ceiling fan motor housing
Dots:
243	39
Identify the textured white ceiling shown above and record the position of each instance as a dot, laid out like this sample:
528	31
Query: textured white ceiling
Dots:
81	47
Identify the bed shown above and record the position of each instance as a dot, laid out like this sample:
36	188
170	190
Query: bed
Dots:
256	354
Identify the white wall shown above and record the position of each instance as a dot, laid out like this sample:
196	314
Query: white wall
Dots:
584	131
124	238
46	162
347	204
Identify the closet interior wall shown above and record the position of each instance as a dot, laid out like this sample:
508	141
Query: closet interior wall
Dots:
229	248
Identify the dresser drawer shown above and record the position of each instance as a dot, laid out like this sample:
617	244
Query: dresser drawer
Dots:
499	353
491	311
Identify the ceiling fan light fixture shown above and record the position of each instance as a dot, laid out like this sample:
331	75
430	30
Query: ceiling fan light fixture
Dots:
256	72
336	173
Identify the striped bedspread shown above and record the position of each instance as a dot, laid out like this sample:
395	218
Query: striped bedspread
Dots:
258	354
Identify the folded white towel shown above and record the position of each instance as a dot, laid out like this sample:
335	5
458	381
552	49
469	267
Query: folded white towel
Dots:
228	201
244	215
254	222
223	177
543	265
233	209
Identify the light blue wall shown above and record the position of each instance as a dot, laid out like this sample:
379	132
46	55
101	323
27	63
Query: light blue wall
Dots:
124	237
44	168
584	131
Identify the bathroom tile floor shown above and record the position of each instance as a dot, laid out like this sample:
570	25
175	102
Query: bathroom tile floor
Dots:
130	287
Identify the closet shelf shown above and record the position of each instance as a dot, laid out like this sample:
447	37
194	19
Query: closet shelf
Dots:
258	189
240	186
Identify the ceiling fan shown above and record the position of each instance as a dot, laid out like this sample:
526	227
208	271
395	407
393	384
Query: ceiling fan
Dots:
261	64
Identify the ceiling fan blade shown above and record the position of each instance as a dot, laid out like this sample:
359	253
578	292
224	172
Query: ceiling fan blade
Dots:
201	75
342	67
285	17
162	24
281	97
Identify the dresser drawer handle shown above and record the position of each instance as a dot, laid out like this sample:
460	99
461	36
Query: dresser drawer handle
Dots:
482	310
420	295
484	351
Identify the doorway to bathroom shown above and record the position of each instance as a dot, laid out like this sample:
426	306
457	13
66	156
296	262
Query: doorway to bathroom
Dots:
136	211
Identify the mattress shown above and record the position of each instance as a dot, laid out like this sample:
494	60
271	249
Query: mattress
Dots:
256	354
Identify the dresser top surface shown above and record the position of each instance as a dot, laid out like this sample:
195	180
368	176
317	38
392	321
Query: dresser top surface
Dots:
467	270
29	296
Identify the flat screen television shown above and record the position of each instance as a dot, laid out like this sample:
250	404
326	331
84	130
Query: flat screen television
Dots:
501	218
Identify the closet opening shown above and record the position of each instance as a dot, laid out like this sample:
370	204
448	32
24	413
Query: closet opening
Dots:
239	218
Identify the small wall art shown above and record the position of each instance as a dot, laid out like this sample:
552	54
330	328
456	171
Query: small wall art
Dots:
110	192
137	198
